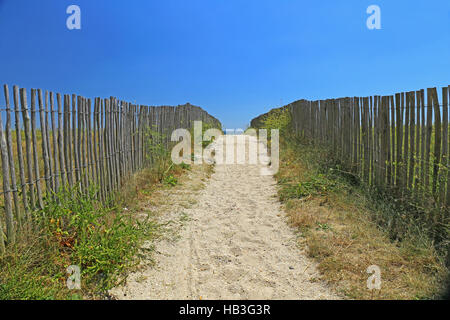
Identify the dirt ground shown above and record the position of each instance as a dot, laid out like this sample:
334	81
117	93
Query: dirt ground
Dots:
225	237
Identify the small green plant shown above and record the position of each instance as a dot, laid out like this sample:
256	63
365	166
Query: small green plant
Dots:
316	184
323	226
170	180
158	153
185	166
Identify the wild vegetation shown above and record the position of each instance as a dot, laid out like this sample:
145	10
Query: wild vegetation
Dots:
348	225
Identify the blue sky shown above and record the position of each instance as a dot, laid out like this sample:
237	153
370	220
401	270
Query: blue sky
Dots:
235	58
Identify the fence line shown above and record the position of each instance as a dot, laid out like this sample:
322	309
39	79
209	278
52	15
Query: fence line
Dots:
81	145
397	140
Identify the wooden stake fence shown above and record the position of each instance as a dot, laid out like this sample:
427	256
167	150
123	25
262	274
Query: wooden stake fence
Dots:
77	143
396	140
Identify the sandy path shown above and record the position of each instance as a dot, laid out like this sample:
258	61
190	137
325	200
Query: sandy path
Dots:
234	243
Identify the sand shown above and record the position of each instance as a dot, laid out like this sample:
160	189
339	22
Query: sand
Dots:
232	242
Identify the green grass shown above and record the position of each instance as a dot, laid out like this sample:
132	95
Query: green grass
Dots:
76	230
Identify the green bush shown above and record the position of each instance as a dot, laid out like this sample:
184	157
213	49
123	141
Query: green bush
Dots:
72	229
102	241
278	119
158	154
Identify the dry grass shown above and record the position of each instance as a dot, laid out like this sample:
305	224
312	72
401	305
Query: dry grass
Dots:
145	187
337	229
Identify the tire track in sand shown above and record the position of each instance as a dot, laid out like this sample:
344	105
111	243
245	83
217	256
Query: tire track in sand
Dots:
234	243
